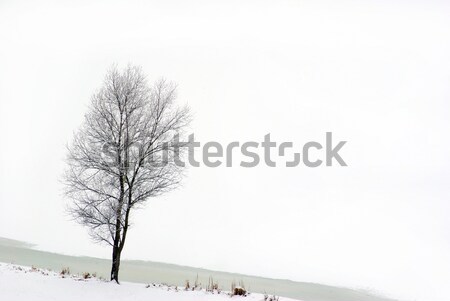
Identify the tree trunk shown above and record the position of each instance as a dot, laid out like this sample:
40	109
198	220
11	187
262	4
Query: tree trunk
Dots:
115	264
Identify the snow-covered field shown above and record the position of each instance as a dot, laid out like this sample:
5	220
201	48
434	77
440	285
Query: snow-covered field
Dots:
27	283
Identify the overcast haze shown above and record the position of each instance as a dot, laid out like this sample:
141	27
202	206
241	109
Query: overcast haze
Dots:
375	73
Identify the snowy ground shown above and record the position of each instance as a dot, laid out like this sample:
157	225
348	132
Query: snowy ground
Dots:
26	283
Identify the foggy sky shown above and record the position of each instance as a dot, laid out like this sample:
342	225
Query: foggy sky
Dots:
375	73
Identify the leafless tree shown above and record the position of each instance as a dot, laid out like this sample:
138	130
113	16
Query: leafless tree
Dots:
120	156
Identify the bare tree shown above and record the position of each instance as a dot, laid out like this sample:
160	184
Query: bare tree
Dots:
120	157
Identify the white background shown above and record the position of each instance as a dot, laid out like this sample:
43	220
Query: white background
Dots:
375	73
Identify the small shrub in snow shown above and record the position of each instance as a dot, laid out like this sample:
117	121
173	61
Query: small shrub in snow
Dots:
197	285
271	298
86	275
212	286
65	272
238	290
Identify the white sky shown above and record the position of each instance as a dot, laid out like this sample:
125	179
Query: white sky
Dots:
375	73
